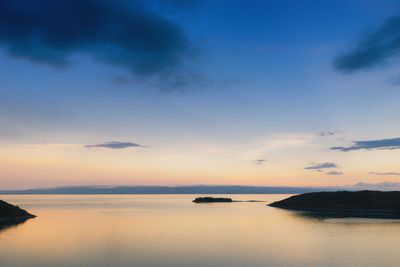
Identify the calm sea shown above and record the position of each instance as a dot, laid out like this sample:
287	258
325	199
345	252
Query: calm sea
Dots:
171	231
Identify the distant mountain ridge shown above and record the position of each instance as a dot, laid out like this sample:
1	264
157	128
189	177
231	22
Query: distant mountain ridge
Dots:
197	189
200	189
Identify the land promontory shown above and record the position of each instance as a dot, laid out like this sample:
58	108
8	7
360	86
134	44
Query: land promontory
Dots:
367	202
10	213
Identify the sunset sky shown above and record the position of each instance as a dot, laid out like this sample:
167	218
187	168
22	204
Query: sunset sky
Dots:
295	93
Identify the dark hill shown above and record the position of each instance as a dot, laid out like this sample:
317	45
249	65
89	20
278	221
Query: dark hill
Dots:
368	202
11	213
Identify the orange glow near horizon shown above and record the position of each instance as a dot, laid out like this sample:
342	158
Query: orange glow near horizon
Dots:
57	165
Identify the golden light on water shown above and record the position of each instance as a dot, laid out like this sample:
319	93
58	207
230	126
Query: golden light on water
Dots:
169	230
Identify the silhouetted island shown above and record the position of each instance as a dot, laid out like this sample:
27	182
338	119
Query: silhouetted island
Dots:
344	203
10	214
212	200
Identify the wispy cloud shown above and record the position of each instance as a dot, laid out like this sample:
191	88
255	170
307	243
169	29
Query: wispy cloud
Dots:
393	143
286	141
319	166
260	161
335	173
178	81
114	145
261	147
327	133
385	173
374	49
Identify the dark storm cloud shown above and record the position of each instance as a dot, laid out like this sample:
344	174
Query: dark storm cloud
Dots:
390	144
318	166
126	34
374	49
114	145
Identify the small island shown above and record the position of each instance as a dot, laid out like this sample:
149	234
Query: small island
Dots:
10	214
212	200
345	204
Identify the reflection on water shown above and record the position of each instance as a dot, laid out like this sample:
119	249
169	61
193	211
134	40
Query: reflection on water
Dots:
9	224
349	215
171	231
361	220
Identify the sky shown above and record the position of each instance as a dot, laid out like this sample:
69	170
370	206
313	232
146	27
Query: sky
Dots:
172	92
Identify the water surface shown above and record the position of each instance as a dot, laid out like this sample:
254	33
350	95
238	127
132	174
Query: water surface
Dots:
171	231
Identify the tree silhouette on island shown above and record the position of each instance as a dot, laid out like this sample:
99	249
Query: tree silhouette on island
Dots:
212	200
